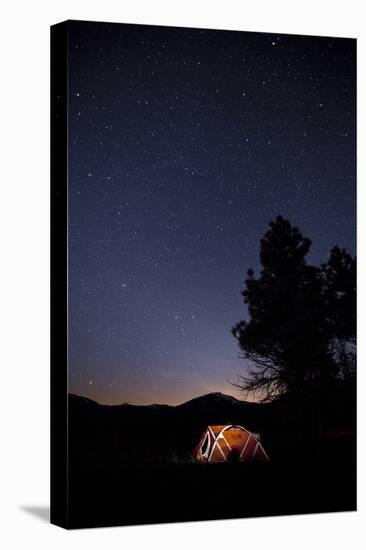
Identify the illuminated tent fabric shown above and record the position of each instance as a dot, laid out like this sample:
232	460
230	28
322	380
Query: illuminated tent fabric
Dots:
229	443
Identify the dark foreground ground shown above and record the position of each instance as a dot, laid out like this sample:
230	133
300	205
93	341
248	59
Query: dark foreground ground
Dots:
133	466
191	492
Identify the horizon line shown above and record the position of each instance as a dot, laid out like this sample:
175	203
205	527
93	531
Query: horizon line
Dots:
159	404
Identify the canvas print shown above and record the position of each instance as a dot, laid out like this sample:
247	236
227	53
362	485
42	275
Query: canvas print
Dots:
204	274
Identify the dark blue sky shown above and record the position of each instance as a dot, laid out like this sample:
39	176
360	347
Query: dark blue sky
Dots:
184	144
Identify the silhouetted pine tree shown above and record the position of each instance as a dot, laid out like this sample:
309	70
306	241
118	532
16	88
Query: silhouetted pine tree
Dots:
339	280
288	336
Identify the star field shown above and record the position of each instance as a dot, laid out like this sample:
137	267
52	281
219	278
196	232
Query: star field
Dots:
183	145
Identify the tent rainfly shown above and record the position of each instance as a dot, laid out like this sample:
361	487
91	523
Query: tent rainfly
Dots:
229	444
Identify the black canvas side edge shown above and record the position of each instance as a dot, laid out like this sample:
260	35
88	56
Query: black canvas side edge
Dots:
355	410
59	309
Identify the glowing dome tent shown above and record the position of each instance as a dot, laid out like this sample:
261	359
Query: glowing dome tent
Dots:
229	443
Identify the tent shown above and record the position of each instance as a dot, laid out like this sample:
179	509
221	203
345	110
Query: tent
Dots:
228	444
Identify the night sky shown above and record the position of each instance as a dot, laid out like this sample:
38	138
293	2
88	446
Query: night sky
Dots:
184	144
